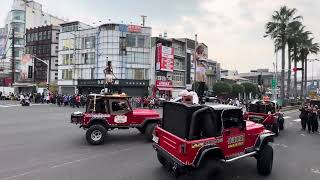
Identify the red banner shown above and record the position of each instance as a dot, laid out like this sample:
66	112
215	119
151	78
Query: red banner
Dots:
167	84
165	58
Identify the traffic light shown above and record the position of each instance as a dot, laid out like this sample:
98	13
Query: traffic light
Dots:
260	80
296	69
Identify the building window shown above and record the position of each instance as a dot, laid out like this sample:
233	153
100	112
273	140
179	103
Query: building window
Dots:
131	40
40	36
48	34
179	64
28	37
18	15
138	74
35	37
88	42
178	50
87	58
178	78
68	44
67	74
67	59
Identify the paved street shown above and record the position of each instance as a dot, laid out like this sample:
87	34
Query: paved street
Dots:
39	143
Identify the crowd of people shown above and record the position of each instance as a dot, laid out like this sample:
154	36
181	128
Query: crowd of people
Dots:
309	117
76	100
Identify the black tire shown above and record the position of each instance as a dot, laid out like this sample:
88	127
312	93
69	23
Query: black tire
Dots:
96	134
281	124
149	131
275	129
161	159
208	169
265	160
141	130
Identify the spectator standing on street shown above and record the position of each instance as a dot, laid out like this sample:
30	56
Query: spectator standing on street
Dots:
311	119
77	99
304	116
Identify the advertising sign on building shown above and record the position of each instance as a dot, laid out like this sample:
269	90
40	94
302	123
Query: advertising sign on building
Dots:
26	66
165	58
166	84
134	28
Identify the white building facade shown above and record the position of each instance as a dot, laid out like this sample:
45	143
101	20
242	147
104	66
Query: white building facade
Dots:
23	15
84	52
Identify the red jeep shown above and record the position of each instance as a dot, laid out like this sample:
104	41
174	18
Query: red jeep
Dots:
197	139
266	113
107	112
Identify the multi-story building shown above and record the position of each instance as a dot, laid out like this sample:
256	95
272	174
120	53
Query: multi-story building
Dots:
42	42
23	15
84	52
179	73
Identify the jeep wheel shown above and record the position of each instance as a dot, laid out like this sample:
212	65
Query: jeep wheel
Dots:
149	130
96	134
161	159
141	130
208	170
275	129
265	160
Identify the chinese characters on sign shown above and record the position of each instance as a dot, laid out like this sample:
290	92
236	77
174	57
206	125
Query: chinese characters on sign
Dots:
165	58
167	84
26	67
134	28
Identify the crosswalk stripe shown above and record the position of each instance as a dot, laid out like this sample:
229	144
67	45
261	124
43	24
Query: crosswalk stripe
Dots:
296	120
3	106
286	117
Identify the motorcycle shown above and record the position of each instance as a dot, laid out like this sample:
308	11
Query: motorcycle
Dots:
25	102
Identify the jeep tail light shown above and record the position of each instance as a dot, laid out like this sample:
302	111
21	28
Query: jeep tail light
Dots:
183	148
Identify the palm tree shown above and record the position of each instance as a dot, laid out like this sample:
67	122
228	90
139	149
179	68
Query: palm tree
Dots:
295	32
277	29
307	47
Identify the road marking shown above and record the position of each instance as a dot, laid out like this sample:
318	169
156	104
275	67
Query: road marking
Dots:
302	134
315	171
282	145
297	120
4	106
286	117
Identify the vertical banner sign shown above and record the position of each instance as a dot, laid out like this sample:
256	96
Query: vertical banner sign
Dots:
165	58
26	62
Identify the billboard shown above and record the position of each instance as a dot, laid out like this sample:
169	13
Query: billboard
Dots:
164	58
26	67
201	60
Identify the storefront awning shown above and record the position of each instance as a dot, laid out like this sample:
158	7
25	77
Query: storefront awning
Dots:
164	88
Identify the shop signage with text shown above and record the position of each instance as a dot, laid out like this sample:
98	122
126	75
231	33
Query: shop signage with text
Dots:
165	58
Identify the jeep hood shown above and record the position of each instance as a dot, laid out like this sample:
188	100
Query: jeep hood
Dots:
145	112
254	127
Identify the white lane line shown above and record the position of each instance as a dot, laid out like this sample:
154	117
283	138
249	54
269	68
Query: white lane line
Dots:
4	106
297	120
286	117
302	134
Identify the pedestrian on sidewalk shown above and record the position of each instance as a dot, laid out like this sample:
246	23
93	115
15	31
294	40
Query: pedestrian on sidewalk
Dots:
304	116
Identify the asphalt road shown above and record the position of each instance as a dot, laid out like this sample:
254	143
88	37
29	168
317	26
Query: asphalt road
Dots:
39	143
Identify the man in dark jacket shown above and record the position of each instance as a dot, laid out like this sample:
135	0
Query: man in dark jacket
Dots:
304	117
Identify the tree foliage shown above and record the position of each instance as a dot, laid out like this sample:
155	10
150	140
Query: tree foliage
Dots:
221	88
250	88
236	89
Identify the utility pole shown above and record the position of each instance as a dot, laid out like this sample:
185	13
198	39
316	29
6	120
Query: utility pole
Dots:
143	20
12	58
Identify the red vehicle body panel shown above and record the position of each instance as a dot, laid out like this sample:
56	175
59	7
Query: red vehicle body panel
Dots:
134	117
268	118
186	151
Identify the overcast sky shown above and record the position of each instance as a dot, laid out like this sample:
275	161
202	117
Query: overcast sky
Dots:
232	29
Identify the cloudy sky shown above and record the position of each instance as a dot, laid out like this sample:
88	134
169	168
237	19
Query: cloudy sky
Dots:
232	29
